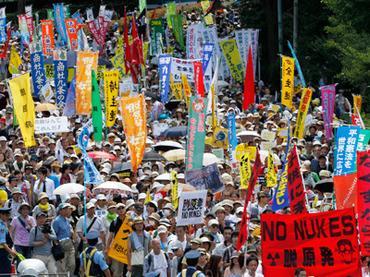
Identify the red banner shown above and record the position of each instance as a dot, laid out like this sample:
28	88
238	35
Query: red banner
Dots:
94	31
71	26
47	31
325	244
345	187
243	233
295	184
198	78
29	21
363	200
249	89
4	49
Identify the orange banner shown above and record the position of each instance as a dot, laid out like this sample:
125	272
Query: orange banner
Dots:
47	32
345	187
86	62
134	124
71	26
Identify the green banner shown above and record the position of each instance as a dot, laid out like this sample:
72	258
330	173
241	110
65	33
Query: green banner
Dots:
171	10
363	140
97	117
142	5
177	29
196	133
156	35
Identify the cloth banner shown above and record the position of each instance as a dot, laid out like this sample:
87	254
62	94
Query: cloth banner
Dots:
208	49
191	208
297	200
208	19
23	28
345	187
357	102
363	203
83	138
156	35
245	171
363	140
119	248
198	78
118	59
86	62
111	79
181	66
174	189
177	29
4	48
14	61
97	117
37	72
287	81
70	105
233	141
324	244
249	86
24	107
233	60
196	133
271	175
48	125
142	5
164	77
328	102
71	26
302	112
171	10
60	77
281	197
246	38
194	40
345	149
60	26
207	178
134	123
3	30
245	149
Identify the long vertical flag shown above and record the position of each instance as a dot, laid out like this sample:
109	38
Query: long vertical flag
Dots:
302	112
97	118
198	78
287	81
60	76
37	72
47	37
328	101
24	107
126	43
249	88
111	80
243	233
211	97
164	77
271	175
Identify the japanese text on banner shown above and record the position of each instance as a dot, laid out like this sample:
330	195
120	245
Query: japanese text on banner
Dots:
287	81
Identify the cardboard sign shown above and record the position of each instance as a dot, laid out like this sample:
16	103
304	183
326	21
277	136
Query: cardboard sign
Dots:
191	207
324	244
51	124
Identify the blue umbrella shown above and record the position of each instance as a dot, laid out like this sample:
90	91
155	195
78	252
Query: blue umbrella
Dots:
175	132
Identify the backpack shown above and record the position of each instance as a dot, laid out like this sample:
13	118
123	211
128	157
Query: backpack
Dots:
91	268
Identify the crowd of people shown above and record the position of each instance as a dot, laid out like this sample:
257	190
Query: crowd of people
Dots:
73	233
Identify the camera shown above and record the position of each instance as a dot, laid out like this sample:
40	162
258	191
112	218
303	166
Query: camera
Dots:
46	229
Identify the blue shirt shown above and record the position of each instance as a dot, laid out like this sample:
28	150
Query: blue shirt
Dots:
55	180
62	228
98	258
3	232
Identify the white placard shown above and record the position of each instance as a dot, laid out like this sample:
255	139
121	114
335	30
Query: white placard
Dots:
51	124
191	207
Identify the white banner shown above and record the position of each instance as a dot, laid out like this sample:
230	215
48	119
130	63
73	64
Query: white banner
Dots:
194	40
191	207
244	38
51	124
180	66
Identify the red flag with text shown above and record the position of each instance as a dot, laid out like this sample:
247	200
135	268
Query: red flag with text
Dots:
198	78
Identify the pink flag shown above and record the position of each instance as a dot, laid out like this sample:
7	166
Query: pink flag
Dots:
328	102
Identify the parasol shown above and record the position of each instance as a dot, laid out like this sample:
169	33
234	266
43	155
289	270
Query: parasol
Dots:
101	155
152	156
175	132
167	145
182	187
122	167
163	177
69	188
174	155
209	158
45	107
110	187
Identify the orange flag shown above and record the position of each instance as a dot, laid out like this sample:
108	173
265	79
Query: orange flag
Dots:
134	124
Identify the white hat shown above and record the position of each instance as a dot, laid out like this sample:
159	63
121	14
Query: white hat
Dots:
162	229
2	138
129	204
239	210
90	205
213	222
101	197
157	185
142	196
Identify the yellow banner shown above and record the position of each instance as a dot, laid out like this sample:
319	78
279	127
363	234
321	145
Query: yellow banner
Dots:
86	62
187	89
118	250
245	171
233	60
357	103
302	112
271	176
24	108
174	189
176	88
287	81
208	18
14	61
134	123
242	149
118	58
49	71
111	79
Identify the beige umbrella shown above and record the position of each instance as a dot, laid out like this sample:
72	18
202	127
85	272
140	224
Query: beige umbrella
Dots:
44	107
174	155
182	187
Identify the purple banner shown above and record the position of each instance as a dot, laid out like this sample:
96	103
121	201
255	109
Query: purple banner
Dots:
328	102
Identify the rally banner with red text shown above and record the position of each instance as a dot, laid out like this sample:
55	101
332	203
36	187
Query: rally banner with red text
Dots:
324	244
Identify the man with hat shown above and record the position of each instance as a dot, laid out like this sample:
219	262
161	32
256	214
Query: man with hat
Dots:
192	258
92	261
5	242
14	202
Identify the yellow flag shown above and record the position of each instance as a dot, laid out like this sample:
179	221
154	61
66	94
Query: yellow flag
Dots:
174	189
208	18
357	103
302	112
242	149
111	79
14	61
233	60
24	107
187	89
287	81
245	171
148	197
176	88
271	176
118	250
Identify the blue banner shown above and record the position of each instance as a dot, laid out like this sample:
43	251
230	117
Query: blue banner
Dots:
83	139
91	174
207	55
78	17
37	72
60	81
3	35
231	126
297	65
164	77
345	156
70	105
60	25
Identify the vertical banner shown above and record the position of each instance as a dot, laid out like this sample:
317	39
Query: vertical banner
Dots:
328	102
363	140
134	123
196	133
86	62
97	117
345	149
233	60
357	103
296	191
111	79
271	175
118	59
3	32
14	61
198	78
245	171
177	29
302	112
71	26
60	77
287	81
194	41
4	48
208	19
187	89
249	86
24	107
142	5
70	105
363	202
174	189
207	64
164	77
233	141
23	28
324	244
37	72
281	195
156	34
171	10
59	17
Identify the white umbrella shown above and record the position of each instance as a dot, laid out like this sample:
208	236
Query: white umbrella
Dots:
112	187
248	134
69	188
163	177
209	158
